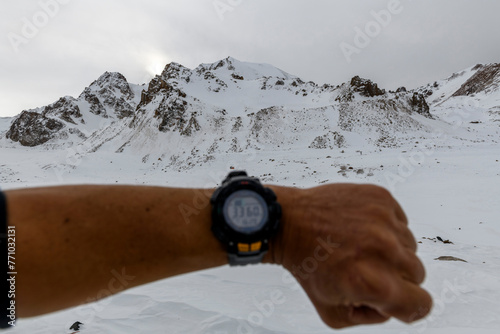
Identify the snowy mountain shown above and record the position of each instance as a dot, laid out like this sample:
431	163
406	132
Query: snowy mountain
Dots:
435	147
68	119
479	81
243	103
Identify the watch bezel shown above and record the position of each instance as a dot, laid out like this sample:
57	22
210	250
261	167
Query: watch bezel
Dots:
222	229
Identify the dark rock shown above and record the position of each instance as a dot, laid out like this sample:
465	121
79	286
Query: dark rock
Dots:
330	140
366	87
157	86
111	91
111	82
209	76
449	258
171	114
121	106
477	67
419	105
176	71
237	77
444	241
76	326
96	106
65	108
33	129
238	124
486	77
191	127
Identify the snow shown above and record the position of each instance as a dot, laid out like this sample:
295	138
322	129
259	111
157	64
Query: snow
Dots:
250	71
4	124
447	87
456	199
446	178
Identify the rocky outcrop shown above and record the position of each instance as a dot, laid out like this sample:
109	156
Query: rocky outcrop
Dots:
176	71
110	96
65	108
170	106
191	127
33	129
159	87
112	83
171	115
419	104
95	105
366	87
110	92
486	78
331	140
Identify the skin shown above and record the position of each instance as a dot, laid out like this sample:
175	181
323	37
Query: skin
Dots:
367	270
349	247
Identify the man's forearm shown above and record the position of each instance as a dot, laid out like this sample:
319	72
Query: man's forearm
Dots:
75	241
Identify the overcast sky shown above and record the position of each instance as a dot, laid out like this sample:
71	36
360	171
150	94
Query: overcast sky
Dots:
48	51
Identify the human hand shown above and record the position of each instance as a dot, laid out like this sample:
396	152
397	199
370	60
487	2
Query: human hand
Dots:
350	248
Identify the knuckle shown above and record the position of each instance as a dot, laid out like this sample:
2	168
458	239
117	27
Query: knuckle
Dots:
389	242
369	284
416	269
379	213
381	192
382	240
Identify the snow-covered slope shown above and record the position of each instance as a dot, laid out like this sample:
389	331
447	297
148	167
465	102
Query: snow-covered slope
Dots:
190	127
480	81
451	192
4	124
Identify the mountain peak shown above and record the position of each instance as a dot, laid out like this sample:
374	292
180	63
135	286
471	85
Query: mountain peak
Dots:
366	87
228	63
233	67
110	78
110	83
175	70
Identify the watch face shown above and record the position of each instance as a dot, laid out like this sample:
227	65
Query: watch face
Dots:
245	211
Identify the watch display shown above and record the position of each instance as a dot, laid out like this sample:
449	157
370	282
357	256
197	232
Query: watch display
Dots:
245	211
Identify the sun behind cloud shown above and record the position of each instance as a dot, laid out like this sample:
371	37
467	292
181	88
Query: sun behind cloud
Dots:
154	63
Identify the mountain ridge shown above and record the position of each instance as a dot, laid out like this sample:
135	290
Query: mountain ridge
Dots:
233	106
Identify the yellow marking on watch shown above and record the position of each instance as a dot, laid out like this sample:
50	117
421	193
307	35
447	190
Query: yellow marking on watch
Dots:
243	247
256	246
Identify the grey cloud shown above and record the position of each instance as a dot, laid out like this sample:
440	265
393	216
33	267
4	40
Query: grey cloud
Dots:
426	41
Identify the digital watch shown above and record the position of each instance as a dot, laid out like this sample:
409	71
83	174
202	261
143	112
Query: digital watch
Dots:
245	215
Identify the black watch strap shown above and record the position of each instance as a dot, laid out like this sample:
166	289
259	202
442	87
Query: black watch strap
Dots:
243	254
238	260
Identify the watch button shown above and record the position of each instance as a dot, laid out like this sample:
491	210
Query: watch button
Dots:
271	194
243	248
255	247
237	173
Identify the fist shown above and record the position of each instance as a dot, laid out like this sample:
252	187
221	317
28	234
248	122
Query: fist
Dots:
350	248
